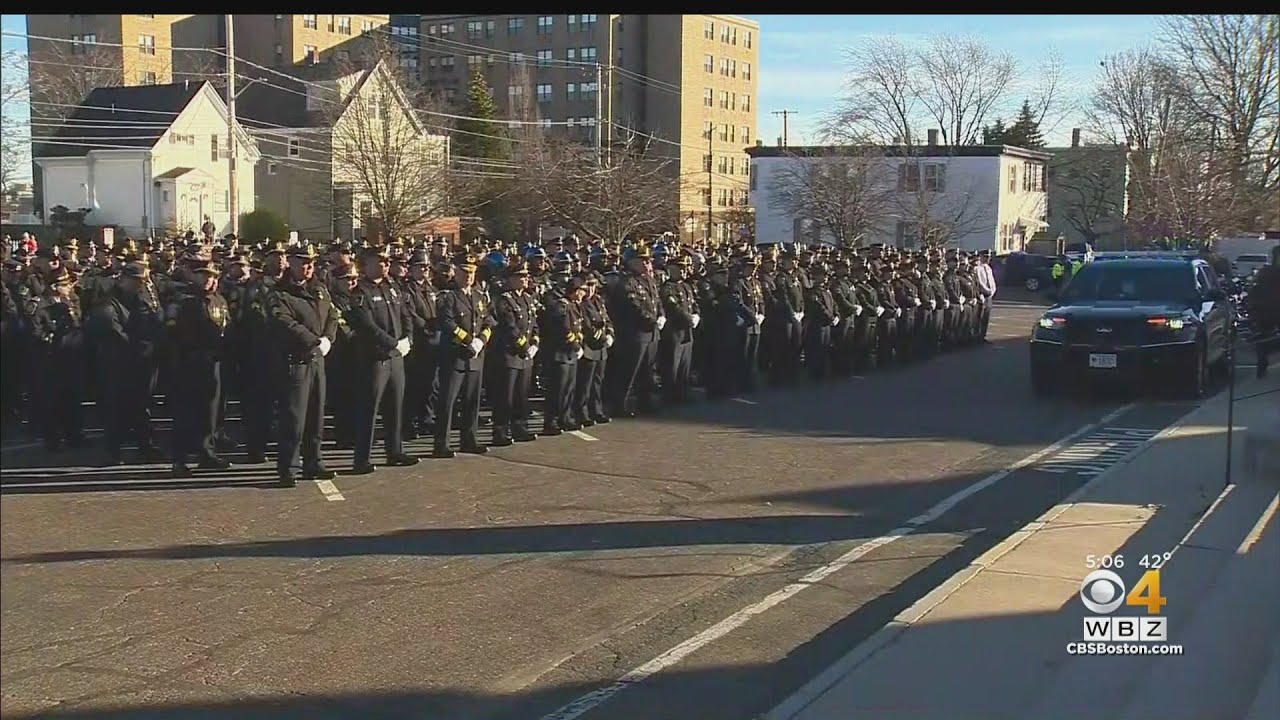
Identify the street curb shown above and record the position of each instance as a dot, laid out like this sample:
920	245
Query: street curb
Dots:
885	636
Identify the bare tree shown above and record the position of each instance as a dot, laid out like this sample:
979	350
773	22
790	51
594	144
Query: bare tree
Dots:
843	193
936	210
1088	186
607	199
15	130
1228	84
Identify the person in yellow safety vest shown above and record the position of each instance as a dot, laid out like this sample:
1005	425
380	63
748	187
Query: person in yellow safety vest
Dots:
1076	265
1059	269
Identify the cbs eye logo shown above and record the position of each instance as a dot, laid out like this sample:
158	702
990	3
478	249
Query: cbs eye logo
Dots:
1103	591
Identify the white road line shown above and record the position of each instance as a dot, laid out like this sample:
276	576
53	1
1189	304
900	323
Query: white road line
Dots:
330	490
20	446
745	401
584	436
1252	538
674	655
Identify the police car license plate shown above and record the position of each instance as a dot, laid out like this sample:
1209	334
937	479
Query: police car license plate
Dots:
1102	360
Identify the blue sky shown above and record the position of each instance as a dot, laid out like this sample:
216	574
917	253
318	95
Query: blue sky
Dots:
802	65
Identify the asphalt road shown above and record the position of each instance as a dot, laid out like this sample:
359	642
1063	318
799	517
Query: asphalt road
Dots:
703	563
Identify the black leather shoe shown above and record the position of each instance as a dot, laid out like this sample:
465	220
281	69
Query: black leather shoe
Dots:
524	437
214	463
256	457
443	453
150	453
588	423
475	449
572	427
287	480
602	419
319	474
180	470
503	441
552	431
366	469
402	460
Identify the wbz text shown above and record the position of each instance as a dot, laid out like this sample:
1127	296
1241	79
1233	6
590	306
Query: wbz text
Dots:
1124	636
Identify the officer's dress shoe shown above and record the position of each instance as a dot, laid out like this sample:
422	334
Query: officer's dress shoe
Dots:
256	458
363	469
320	473
214	463
588	423
475	449
180	470
402	460
443	453
502	441
287	480
524	436
602	419
552	431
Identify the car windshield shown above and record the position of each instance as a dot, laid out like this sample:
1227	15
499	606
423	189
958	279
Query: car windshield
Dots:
1124	283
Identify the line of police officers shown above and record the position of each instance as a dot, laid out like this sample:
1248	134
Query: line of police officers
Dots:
416	336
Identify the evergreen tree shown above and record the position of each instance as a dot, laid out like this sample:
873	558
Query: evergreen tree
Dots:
995	133
1025	131
480	137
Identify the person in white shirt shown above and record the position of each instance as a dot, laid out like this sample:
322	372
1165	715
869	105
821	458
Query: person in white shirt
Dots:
987	284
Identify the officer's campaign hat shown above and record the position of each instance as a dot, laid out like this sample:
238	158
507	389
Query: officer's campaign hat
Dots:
304	252
134	270
467	262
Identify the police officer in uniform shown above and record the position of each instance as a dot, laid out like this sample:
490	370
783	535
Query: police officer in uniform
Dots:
422	365
788	314
564	337
383	327
200	322
304	323
264	372
675	342
637	313
820	311
515	345
466	325
746	285
60	363
588	395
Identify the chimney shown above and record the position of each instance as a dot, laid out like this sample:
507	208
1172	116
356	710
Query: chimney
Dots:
779	141
1075	137
933	138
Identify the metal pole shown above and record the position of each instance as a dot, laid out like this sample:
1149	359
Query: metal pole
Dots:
785	115
599	114
232	205
711	159
1231	394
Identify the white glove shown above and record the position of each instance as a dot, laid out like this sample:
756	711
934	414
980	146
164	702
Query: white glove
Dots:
533	351
835	321
946	304
577	354
857	310
759	319
403	347
917	301
798	317
899	312
879	310
933	304
477	345
325	346
740	322
696	318
434	339
961	299
662	322
608	341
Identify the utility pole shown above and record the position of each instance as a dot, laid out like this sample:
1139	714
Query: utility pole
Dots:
785	114
232	205
711	160
599	115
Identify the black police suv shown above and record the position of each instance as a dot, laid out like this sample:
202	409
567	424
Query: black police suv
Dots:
1139	318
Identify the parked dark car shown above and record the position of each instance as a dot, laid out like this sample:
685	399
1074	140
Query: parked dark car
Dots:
1164	318
1033	272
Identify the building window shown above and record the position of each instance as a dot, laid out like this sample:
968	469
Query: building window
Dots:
544	123
432	61
295	147
706	196
724	33
709	30
515	58
446	63
746	71
310	22
514	25
733	68
147	77
571	91
588	54
451	94
707	97
545	23
475	28
474	60
147	44
1013	178
571	54
746	166
722	198
706	163
544	93
733	101
733	133
746	40
344	25
733	36
746	134
311	53
409	62
588	23
724	99
724	66
515	92
588	91
909	177
366	27
708	128
724	133
935	177
446	28
213	148
544	58
724	165
708	63
746	102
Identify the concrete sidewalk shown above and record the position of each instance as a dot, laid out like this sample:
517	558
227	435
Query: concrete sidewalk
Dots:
991	642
